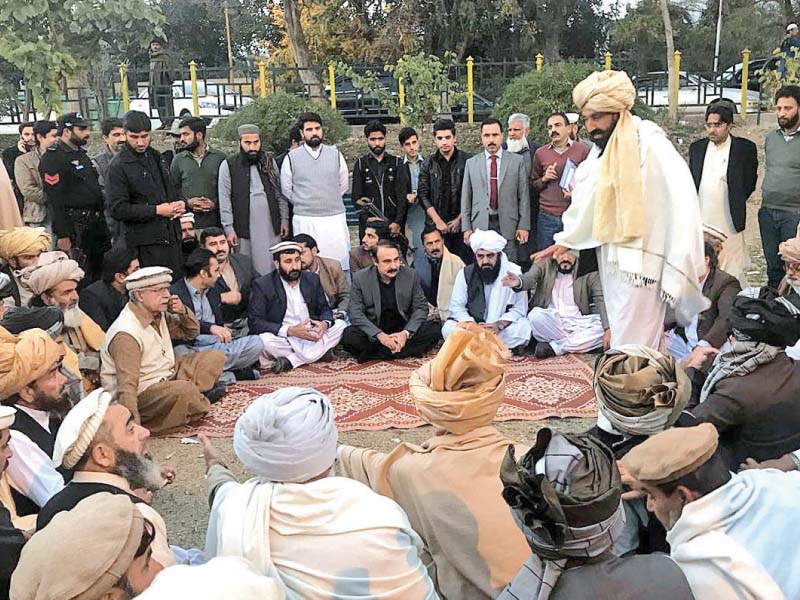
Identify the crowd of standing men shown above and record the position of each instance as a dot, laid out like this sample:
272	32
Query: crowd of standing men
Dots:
137	285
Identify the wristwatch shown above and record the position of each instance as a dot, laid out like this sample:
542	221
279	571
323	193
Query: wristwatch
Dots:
795	460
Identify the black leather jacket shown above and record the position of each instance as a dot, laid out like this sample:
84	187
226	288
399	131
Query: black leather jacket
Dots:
429	188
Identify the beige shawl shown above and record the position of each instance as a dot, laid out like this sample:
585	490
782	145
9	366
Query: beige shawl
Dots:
9	209
451	267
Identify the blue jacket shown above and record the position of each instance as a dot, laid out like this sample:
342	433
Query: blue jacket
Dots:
267	306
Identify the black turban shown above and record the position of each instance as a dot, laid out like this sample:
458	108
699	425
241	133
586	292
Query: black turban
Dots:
17	320
766	318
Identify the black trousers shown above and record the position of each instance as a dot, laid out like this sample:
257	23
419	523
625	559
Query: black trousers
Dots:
363	348
162	255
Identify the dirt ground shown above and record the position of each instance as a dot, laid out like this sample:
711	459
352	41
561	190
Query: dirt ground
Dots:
184	504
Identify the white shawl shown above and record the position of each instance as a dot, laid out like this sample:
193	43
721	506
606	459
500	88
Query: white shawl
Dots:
670	256
498	297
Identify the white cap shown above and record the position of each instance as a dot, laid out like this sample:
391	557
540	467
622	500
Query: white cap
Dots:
79	428
286	245
148	277
791	26
7	415
187	217
572	118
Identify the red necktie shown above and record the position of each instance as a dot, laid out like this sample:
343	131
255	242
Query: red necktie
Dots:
493	183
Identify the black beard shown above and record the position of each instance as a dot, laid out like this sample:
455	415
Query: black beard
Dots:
489	273
601	137
789	123
377	150
76	141
192	146
59	405
141	472
251	157
565	269
292	275
189	245
314	142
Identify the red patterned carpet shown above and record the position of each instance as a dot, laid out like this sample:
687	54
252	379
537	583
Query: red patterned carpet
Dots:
374	395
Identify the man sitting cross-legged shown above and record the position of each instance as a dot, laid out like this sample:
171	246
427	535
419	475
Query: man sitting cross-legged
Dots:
321	536
330	274
438	270
479	295
104	299
388	310
163	392
236	279
290	312
569	314
198	291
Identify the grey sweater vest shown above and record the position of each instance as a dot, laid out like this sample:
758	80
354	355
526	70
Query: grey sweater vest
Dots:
781	172
315	182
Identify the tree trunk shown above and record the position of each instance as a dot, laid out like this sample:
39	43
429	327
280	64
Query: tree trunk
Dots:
788	11
302	55
673	76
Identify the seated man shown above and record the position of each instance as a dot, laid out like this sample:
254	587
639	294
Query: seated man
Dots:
197	290
569	314
189	241
570	484
388	311
751	392
163	392
290	312
361	256
103	300
331	276
449	485
236	279
322	536
710	327
437	269
32	382
12	538
789	252
731	535
106	452
54	282
479	295
100	550
19	248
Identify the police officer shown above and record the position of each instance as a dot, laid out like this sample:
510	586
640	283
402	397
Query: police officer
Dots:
382	178
74	195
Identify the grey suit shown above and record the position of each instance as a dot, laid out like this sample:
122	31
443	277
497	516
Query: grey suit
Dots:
513	199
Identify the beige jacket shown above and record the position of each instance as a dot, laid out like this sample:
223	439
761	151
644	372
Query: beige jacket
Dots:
29	182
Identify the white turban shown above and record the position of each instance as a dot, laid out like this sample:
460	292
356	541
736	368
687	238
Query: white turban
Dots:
491	241
221	578
287	436
79	428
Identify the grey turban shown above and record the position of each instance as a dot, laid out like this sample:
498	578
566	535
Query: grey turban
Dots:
247	129
287	436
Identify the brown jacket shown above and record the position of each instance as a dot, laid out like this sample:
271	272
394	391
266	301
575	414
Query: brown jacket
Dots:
29	182
334	283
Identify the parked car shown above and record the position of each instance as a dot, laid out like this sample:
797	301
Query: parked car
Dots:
653	89
732	76
214	100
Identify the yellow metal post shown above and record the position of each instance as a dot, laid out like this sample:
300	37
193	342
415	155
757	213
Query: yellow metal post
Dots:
195	99
262	77
745	77
401	96
539	61
608	61
677	66
470	90
332	79
123	83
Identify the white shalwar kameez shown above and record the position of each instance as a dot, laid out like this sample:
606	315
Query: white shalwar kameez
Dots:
297	350
562	325
641	276
716	210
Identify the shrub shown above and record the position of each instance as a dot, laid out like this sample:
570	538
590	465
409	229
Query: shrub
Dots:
275	114
540	94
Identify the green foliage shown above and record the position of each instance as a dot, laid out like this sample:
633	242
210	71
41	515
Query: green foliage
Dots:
275	114
540	94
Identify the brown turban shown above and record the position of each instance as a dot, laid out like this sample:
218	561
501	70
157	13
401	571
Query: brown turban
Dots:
789	250
23	240
462	387
25	358
619	198
51	269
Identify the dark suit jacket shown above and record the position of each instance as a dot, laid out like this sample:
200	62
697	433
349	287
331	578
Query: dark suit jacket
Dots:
102	303
267	306
243	269
712	324
179	289
586	289
742	173
365	300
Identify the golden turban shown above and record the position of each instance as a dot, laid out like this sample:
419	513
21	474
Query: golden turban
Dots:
25	358
23	240
462	387
51	269
619	198
789	250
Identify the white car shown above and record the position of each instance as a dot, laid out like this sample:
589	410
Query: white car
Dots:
214	100
653	89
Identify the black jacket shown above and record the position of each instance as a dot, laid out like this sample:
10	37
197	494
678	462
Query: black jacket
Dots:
429	187
181	291
102	303
135	185
11	542
239	170
267	306
387	191
243	269
742	173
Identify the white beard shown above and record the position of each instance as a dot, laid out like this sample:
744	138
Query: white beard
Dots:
73	317
516	145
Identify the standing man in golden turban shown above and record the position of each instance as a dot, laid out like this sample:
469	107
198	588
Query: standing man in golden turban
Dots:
634	201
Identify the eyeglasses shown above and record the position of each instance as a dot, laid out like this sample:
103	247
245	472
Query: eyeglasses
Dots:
795	267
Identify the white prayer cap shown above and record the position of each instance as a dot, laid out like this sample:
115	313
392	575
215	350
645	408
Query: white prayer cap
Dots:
791	26
572	118
187	217
714	232
287	436
286	245
148	277
221	578
7	414
79	428
491	241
